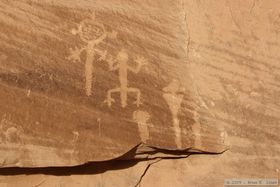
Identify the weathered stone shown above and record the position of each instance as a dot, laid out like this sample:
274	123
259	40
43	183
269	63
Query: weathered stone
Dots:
88	81
232	54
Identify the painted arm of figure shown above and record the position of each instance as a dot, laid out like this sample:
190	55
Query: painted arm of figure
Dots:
141	61
75	54
112	35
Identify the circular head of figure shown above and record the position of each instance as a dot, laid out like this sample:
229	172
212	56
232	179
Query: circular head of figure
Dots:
90	31
141	116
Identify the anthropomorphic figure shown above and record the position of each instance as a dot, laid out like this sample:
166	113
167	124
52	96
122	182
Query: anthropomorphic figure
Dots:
93	34
142	119
121	64
173	94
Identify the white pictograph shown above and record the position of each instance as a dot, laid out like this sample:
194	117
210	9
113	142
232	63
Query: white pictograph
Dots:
121	64
173	94
9	132
142	119
93	34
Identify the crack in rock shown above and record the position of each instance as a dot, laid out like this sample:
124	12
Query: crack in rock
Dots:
146	170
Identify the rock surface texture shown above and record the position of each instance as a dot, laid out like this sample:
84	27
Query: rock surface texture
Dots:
90	80
128	81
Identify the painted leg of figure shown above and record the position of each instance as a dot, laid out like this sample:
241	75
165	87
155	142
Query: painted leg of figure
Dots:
138	97
109	99
89	73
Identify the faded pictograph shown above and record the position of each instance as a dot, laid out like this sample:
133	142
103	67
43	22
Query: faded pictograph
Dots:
174	94
9	131
142	119
74	142
75	136
93	34
121	64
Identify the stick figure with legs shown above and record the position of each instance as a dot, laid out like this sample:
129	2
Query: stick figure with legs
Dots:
121	64
93	34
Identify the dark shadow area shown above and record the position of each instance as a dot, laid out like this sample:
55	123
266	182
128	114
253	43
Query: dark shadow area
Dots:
125	161
88	168
182	152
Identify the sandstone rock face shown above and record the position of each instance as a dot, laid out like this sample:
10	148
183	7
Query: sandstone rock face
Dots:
118	79
90	80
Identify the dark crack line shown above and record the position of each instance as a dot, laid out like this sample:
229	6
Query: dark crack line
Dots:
42	182
232	17
253	6
146	170
159	159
